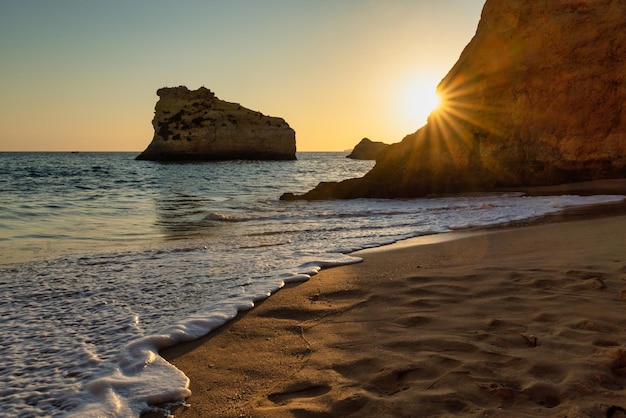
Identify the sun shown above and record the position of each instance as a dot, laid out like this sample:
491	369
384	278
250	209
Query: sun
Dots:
419	99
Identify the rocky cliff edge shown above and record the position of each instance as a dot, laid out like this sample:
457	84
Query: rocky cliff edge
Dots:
538	97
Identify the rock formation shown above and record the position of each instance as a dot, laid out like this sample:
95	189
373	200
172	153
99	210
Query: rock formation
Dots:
367	150
196	125
538	97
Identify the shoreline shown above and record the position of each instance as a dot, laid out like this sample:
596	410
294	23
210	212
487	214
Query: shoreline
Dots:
276	361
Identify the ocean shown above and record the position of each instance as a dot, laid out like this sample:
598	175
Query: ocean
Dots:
104	260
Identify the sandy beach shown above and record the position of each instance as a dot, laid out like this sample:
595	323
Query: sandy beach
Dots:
522	321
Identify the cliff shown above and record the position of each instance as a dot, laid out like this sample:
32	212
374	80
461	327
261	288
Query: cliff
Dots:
367	150
196	125
536	98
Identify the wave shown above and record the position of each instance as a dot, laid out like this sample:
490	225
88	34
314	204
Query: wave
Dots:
226	217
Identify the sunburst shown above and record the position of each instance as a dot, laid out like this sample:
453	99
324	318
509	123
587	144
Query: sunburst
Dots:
419	99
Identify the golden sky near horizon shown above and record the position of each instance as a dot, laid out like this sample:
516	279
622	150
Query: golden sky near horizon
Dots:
82	75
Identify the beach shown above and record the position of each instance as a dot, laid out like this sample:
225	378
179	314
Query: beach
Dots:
520	321
194	253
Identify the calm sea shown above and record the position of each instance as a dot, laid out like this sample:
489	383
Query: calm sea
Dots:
104	260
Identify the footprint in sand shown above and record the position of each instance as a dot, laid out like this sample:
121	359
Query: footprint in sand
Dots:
299	390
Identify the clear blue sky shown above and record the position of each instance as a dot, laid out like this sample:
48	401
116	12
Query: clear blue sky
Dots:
83	74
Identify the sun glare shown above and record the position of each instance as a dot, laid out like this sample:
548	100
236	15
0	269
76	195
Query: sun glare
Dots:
419	99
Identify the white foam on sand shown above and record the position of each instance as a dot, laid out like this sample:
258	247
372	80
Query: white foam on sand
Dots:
141	378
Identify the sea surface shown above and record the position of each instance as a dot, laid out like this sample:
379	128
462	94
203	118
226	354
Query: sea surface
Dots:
104	260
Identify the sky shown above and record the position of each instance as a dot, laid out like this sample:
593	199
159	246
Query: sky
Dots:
82	75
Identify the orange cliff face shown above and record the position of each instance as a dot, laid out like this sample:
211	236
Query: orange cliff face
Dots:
538	97
196	125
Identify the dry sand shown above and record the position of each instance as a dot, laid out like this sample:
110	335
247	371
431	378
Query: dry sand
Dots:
516	322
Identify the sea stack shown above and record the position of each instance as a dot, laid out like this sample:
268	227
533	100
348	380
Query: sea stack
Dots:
538	97
367	150
196	125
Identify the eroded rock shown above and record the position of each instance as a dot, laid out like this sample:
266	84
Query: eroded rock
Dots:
196	125
367	150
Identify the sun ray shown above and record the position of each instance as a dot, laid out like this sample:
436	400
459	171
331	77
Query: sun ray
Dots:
460	108
450	142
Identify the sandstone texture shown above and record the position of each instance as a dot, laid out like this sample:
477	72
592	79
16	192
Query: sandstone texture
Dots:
196	125
536	98
367	150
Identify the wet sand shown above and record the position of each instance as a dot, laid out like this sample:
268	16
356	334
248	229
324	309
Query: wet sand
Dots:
521	321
